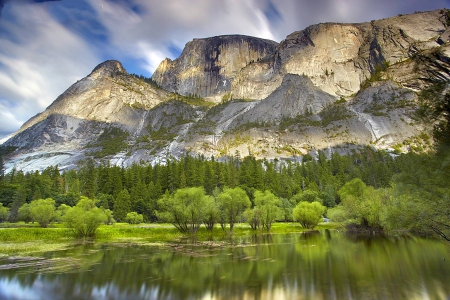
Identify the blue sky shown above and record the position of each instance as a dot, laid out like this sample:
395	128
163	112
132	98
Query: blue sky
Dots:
45	46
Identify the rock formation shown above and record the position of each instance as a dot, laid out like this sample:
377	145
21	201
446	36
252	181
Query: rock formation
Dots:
207	67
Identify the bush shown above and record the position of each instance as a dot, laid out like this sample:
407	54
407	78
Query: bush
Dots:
84	218
269	206
24	213
253	217
3	212
134	218
43	211
308	214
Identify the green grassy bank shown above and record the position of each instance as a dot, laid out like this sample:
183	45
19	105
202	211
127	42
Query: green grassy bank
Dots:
25	239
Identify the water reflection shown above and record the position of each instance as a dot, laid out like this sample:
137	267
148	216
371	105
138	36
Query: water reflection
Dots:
325	265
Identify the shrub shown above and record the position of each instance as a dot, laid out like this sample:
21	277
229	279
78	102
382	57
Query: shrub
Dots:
84	218
308	214
3	212
25	213
43	211
134	218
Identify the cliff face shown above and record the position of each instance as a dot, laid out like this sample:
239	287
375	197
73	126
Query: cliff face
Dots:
207	67
339	57
333	87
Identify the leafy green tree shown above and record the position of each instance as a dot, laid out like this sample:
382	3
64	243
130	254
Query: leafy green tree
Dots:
337	214
84	218
211	216
232	203
61	211
134	218
109	217
269	206
253	217
307	195
328	196
362	203
122	205
3	213
308	214
286	209
43	211
24	213
419	198
185	209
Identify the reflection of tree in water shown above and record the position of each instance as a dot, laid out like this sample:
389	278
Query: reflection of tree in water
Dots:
315	265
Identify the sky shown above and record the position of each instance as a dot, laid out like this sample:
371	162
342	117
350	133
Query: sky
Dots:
47	45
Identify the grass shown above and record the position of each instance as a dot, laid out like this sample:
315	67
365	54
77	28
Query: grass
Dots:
26	239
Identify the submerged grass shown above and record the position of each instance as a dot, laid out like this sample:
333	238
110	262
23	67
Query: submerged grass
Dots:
35	240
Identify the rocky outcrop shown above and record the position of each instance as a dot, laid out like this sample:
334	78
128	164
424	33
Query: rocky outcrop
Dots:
109	94
295	96
207	67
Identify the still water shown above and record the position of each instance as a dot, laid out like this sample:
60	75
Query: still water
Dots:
325	265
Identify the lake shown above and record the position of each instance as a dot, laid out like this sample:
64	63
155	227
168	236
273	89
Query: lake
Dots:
315	265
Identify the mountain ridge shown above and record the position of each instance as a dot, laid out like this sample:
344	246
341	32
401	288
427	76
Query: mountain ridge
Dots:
330	86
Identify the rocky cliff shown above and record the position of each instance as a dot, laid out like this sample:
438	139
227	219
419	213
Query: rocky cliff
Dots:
332	87
207	67
339	57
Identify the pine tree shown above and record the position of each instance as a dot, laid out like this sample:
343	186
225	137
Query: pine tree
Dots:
19	199
209	182
122	205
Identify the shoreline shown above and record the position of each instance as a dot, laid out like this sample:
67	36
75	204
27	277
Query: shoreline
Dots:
30	240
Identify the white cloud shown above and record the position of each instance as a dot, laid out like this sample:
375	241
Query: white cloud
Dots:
39	59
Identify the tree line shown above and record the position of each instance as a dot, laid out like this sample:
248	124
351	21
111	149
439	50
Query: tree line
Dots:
138	188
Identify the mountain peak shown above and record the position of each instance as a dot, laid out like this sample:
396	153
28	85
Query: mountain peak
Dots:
108	68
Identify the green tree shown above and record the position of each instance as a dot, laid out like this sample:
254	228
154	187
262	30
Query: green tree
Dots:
3	213
308	214
109	217
232	203
328	196
211	216
24	213
286	209
307	195
185	209
134	218
61	212
253	217
43	211
269	206
362	203
84	218
19	199
122	205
